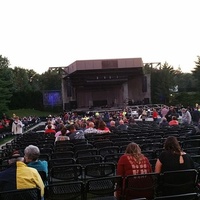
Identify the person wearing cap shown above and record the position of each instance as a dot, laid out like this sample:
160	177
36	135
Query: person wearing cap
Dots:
19	176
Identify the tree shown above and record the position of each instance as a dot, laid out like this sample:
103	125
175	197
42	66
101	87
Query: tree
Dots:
162	80
196	73
5	83
50	80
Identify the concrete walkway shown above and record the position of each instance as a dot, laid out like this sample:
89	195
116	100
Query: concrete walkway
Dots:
32	128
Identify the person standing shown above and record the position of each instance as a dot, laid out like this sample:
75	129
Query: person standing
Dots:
17	126
186	117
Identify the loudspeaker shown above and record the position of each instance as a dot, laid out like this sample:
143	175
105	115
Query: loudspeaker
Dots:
144	84
73	104
146	101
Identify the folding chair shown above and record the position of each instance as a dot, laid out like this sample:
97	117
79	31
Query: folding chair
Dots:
141	186
65	191
65	173
21	194
103	188
179	182
187	196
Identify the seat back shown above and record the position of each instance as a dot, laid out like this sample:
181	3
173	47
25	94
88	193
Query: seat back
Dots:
141	186
84	160
21	194
188	196
98	170
103	187
179	182
64	173
65	191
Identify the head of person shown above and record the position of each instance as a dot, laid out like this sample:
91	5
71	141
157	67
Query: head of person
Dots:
174	118
31	153
72	128
91	124
183	110
49	126
134	150
63	131
16	118
15	157
171	144
121	122
101	125
112	123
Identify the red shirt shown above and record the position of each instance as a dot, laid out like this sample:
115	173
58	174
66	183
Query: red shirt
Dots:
49	131
155	114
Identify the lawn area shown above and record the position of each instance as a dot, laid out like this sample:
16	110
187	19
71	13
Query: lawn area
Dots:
6	139
30	112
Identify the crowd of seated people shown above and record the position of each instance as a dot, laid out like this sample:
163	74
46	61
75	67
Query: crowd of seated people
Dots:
72	127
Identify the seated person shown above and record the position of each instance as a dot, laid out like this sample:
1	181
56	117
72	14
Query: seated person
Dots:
173	158
90	128
102	128
49	129
20	176
122	126
31	155
75	134
133	162
174	121
112	126
63	135
164	122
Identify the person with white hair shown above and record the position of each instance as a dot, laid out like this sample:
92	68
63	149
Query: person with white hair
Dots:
31	156
186	117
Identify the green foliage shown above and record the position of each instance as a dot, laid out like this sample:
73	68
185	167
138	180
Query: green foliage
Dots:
50	80
186	98
5	84
162	80
196	73
30	112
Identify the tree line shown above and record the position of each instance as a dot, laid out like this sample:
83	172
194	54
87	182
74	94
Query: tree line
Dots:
23	88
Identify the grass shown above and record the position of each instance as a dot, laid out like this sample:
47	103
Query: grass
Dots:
30	112
6	139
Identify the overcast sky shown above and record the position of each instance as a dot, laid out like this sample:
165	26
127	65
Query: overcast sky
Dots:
38	34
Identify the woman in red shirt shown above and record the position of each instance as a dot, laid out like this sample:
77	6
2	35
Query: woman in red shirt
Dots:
131	163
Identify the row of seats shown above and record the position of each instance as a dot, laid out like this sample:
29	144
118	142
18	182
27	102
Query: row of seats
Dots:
145	186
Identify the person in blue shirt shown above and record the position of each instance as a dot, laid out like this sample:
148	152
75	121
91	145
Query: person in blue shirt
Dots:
31	157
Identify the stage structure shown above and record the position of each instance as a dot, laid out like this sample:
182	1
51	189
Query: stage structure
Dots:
104	83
